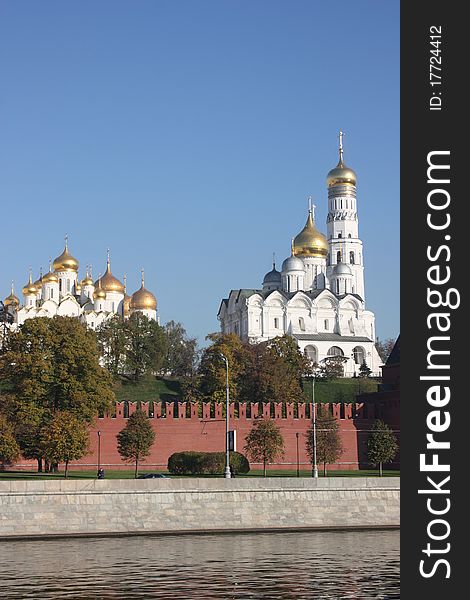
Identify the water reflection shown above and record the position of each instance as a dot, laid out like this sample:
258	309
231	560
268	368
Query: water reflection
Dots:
278	566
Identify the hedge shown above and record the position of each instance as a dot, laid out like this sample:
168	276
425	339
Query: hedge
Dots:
206	463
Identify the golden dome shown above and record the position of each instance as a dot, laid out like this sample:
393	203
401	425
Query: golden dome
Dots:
143	299
12	300
38	283
310	241
78	288
87	280
29	288
341	174
65	262
50	278
99	291
109	283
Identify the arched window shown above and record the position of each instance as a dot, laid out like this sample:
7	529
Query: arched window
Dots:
351	257
338	256
335	351
276	323
301	324
326	324
126	409
311	353
349	235
340	235
359	355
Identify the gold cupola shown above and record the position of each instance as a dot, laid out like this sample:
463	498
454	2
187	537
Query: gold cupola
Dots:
88	279
142	299
12	300
38	283
65	262
109	283
29	289
310	241
50	277
341	174
99	293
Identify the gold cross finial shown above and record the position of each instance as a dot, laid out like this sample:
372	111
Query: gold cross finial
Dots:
340	136
142	276
66	241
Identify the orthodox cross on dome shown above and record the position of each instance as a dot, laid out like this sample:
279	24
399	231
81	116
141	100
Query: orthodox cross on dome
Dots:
66	238
108	259
142	276
311	207
274	260
125	282
340	136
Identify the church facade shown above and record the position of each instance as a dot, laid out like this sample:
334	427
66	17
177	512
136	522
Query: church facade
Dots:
61	292
318	296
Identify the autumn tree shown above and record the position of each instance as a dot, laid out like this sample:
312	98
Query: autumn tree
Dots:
381	445
280	369
145	346
212	369
332	368
384	348
9	448
64	439
136	439
264	443
50	366
328	441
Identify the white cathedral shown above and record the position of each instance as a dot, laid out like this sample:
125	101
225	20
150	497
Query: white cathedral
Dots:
318	296
60	292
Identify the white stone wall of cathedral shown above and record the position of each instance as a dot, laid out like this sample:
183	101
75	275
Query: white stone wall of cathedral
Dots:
87	293
67	282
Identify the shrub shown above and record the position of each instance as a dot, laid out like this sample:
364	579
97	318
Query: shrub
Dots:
206	463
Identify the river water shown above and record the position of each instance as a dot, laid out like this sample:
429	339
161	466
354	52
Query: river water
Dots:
257	566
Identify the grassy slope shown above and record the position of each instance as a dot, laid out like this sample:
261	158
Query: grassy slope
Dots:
150	388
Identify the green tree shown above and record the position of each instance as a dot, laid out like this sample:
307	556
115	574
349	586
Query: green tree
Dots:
112	340
181	351
329	445
65	438
381	445
145	346
264	442
136	439
364	370
50	366
9	449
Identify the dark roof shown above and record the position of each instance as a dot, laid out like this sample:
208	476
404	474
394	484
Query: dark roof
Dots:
394	357
330	337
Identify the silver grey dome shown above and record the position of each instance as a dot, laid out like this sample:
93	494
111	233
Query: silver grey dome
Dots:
342	269
292	264
273	277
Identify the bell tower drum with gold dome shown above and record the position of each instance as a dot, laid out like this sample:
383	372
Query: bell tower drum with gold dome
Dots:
342	224
66	270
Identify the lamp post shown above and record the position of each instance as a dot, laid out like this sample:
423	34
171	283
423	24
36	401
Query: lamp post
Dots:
298	463
314	418
99	451
227	474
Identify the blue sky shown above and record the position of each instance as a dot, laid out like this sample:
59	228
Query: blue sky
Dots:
185	136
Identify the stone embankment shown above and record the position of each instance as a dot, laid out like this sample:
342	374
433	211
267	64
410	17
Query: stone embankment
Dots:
169	506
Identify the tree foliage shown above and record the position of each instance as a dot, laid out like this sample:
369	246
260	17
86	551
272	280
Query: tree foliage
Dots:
258	372
264	443
132	347
332	368
181	352
364	371
382	445
9	448
64	439
384	348
329	445
51	366
136	439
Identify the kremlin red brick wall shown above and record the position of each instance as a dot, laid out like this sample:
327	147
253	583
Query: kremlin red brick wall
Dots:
183	426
